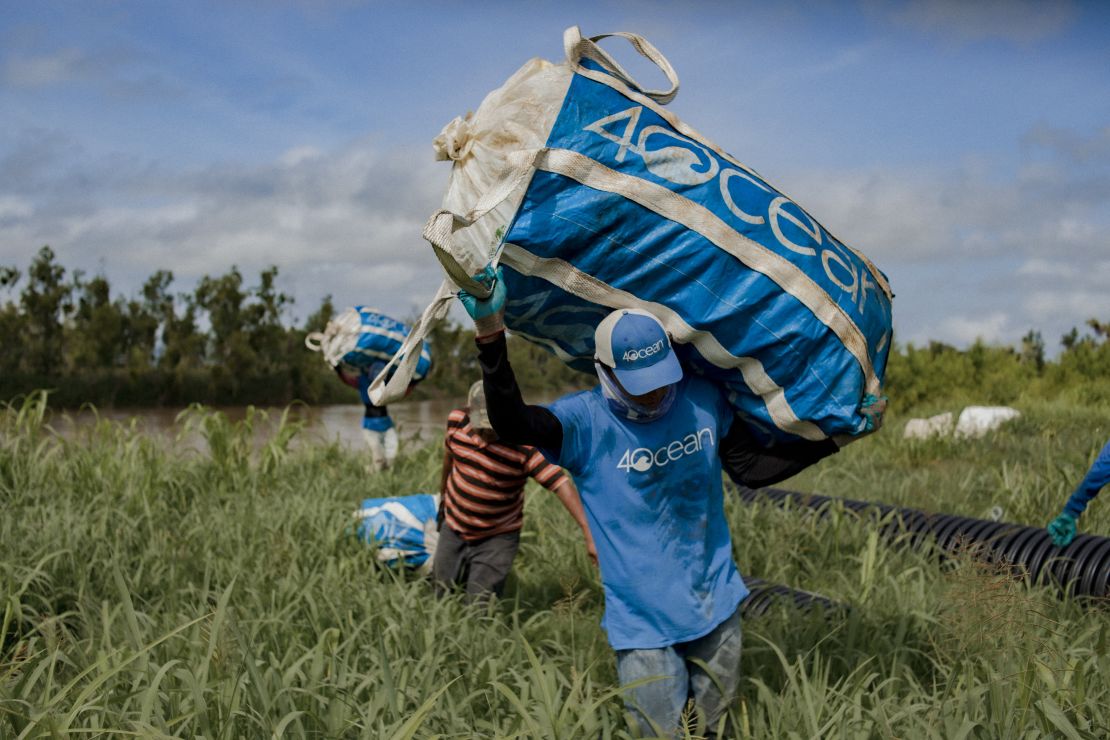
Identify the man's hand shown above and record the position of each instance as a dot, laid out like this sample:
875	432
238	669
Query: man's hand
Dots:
872	409
489	314
591	549
1062	529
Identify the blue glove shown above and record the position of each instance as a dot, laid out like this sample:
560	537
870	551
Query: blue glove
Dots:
872	409
1062	529
488	315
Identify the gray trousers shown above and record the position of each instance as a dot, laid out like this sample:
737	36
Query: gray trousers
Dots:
479	568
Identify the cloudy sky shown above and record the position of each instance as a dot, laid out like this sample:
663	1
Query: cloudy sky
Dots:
965	147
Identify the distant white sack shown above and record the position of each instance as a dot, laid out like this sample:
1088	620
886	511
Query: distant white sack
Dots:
975	421
935	426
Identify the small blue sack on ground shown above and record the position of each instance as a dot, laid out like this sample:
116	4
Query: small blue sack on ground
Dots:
403	528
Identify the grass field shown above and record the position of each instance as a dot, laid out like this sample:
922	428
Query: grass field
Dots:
157	592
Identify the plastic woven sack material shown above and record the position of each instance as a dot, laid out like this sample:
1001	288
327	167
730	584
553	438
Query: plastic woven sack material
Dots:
402	527
362	337
593	196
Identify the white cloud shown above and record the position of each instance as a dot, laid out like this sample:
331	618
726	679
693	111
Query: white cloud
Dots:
1073	146
13	207
969	254
346	222
60	66
1012	20
966	329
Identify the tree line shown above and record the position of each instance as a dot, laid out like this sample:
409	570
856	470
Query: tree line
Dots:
226	342
229	342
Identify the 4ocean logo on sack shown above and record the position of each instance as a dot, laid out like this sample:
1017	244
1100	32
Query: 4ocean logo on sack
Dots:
642	459
681	160
631	355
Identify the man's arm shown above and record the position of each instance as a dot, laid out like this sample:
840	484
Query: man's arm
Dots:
572	502
351	380
1097	477
749	464
1063	527
514	421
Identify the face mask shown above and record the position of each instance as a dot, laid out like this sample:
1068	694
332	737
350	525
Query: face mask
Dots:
624	406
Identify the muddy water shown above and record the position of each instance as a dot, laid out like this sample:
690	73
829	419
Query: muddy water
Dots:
418	422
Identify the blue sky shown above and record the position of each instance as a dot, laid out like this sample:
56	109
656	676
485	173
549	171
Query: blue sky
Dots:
965	147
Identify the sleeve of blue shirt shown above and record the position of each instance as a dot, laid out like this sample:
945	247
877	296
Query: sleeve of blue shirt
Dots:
1097	477
572	412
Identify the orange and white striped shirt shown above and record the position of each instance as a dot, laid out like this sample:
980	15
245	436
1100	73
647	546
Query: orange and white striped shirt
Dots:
485	490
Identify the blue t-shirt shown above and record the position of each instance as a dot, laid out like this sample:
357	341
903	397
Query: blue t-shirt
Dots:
655	504
1097	477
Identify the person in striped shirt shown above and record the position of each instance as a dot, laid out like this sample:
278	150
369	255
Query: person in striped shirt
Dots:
482	507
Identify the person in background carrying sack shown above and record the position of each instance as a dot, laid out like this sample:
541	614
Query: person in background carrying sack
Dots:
377	427
482	503
646	448
1062	528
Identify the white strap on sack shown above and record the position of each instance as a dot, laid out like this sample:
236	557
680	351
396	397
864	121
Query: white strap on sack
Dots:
382	392
578	47
314	340
338	338
441	226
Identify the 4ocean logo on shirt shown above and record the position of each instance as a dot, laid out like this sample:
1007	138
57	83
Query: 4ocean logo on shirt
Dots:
642	459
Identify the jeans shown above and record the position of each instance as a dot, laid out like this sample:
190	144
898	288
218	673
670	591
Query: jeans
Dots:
657	705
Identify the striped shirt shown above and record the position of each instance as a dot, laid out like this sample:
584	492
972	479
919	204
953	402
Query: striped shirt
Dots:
485	489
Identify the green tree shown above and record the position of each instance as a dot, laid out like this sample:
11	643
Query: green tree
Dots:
318	320
1032	350
97	330
45	301
11	325
183	343
229	347
262	321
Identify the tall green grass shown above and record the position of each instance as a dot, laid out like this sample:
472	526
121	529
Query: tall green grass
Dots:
217	593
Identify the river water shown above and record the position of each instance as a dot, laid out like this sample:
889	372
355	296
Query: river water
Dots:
417	422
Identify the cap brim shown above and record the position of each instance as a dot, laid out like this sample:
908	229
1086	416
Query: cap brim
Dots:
647	379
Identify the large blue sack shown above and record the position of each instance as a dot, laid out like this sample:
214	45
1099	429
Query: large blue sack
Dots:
592	196
362	338
403	528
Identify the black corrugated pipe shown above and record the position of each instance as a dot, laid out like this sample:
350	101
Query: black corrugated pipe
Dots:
763	594
1081	569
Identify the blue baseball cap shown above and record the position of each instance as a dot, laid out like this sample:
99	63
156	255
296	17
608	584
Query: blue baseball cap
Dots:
636	346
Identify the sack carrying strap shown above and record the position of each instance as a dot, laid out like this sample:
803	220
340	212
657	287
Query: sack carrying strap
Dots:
314	340
441	227
382	392
345	324
578	48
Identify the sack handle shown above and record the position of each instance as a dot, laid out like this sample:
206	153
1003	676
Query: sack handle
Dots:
314	340
382	391
441	226
578	47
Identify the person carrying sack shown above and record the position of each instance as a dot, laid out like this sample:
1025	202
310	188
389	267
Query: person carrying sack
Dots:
377	427
482	503
1063	527
646	448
